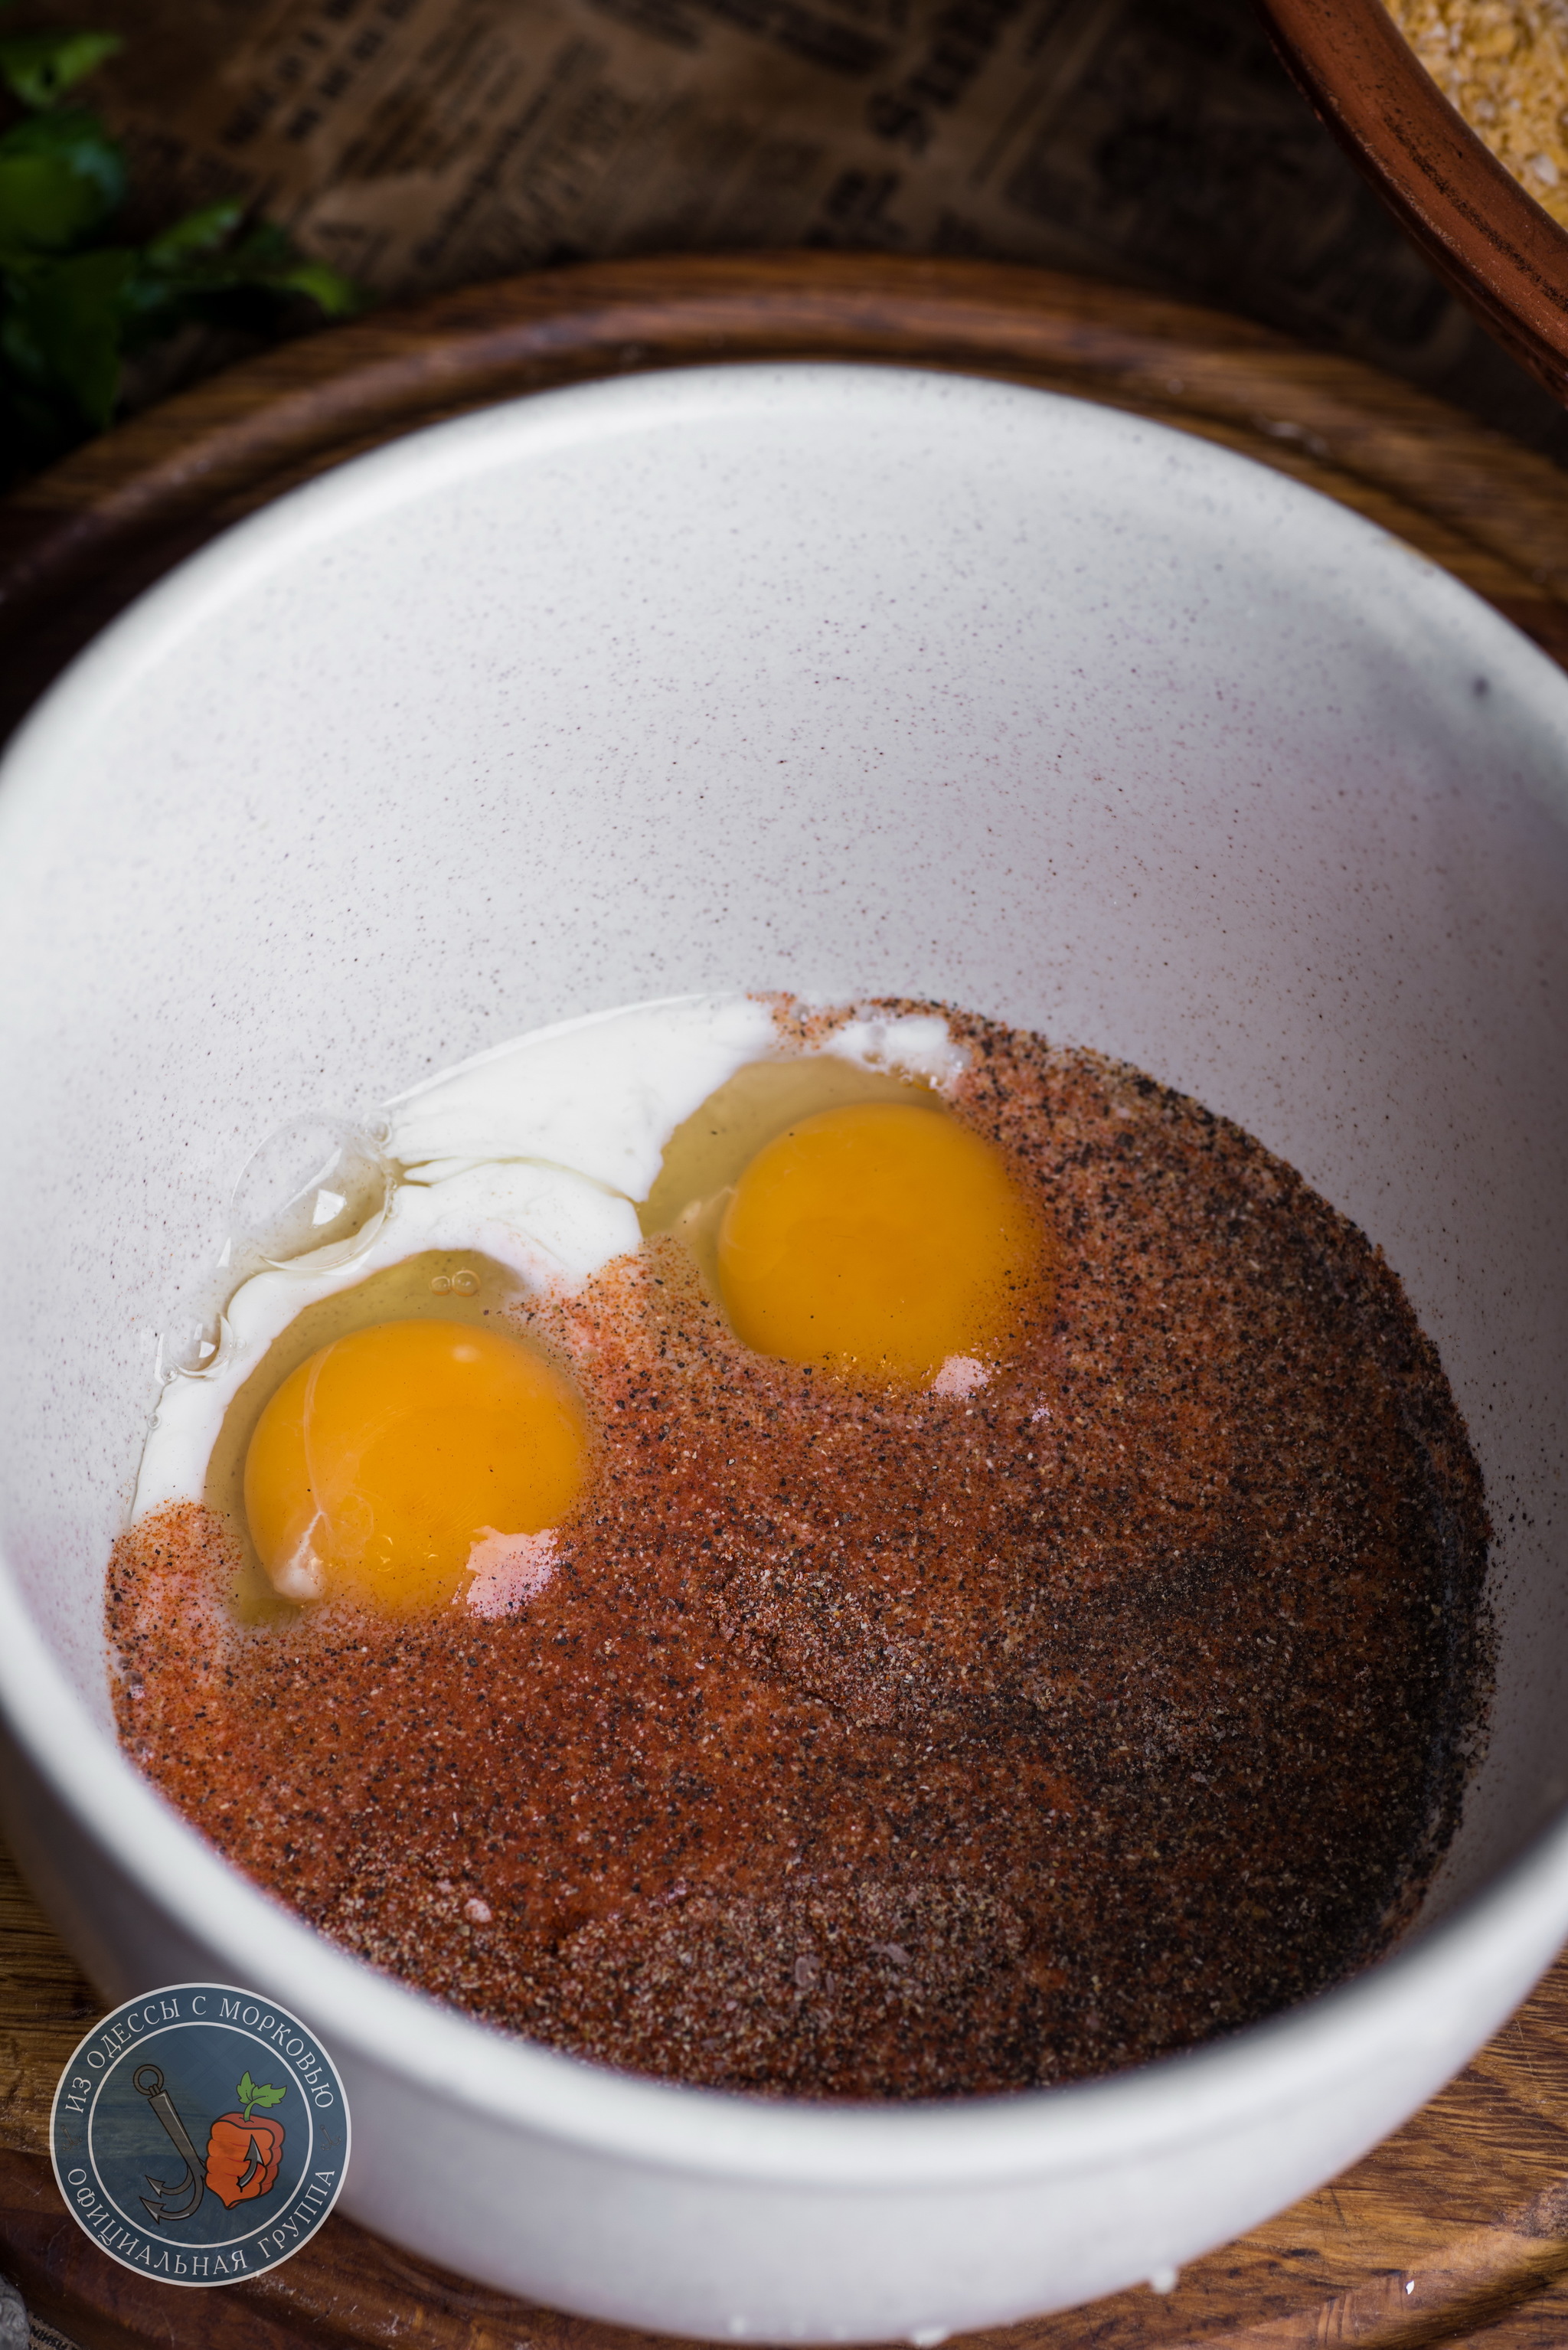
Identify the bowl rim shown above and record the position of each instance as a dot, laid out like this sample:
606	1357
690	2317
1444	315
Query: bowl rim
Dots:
1502	252
1422	1995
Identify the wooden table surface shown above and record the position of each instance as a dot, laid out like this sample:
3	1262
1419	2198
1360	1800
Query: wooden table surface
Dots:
1456	2229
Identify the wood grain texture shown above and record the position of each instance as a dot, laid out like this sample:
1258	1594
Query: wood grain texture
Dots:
1456	2229
1498	250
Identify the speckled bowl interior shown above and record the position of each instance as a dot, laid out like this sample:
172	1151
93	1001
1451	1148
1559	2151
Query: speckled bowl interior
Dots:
848	682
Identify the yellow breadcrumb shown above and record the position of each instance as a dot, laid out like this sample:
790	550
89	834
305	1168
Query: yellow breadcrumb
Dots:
1504	64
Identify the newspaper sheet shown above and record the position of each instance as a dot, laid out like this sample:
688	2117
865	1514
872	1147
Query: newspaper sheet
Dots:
419	144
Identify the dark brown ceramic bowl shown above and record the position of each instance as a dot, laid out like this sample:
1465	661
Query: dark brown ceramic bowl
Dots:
1493	243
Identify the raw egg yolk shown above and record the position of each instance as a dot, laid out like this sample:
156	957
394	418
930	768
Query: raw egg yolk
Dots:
880	1238
383	1459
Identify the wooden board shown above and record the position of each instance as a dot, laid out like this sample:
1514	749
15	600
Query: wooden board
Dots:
1456	2229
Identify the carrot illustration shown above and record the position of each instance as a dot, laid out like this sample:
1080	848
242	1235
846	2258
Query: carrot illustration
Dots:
243	2153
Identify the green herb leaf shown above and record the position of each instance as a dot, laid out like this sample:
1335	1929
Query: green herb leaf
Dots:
191	273
246	2091
268	2096
264	246
61	326
39	67
60	177
196	236
336	296
70	306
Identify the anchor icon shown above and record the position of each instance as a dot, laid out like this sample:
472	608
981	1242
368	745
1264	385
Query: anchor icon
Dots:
176	2199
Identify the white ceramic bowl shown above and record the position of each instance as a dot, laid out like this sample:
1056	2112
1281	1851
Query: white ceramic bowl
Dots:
848	681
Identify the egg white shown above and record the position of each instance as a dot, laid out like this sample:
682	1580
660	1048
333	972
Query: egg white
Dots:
601	1095
533	1154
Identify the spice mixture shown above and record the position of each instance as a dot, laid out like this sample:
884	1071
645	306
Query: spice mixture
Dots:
1504	64
901	1746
